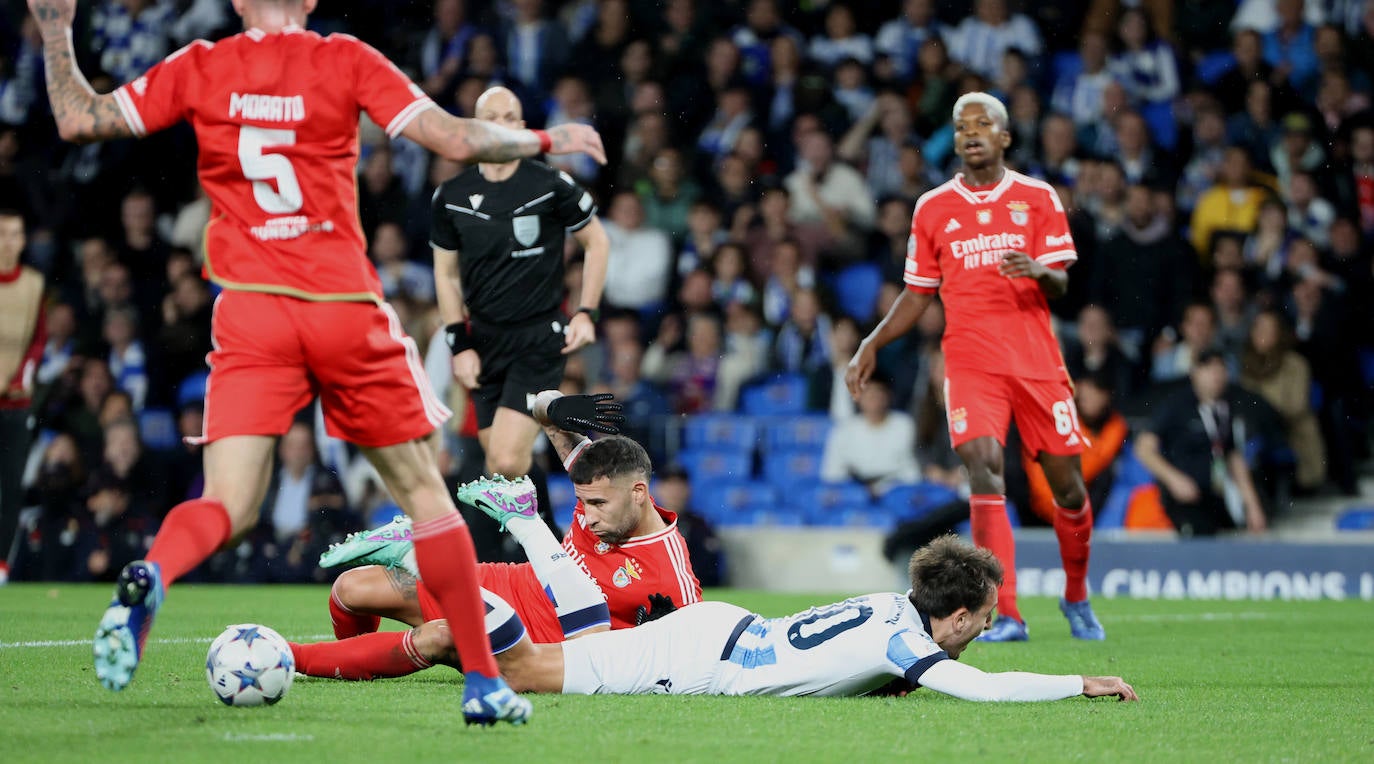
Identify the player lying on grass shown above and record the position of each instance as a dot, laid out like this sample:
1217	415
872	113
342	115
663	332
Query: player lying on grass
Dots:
852	647
621	549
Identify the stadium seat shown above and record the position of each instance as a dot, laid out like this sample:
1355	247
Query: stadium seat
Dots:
796	432
908	502
158	429
192	389
1130	474
787	469
856	290
827	503
784	394
721	502
1367	365
727	432
710	466
1214	66
1356	519
563	499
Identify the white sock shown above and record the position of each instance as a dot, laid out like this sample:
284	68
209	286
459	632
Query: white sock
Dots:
577	599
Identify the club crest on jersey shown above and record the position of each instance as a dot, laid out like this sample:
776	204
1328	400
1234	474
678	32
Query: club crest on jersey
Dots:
602	547
525	228
475	200
958	421
984	217
1019	212
625	574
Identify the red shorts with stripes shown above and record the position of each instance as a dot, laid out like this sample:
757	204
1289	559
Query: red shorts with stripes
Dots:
519	587
273	354
981	404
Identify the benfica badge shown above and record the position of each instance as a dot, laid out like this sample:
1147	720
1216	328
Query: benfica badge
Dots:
1020	212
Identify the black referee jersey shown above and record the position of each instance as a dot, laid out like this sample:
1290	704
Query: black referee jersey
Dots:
509	238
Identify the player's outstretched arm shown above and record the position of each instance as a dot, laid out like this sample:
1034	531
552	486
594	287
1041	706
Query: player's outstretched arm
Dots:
906	310
566	417
475	140
969	683
82	115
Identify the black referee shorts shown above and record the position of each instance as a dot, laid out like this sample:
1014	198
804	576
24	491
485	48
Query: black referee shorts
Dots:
517	363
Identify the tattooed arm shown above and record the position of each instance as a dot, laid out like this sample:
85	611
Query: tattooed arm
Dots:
472	140
82	115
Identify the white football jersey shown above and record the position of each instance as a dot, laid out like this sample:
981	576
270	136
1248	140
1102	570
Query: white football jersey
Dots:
848	648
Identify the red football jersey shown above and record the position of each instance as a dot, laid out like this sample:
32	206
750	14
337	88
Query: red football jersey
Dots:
276	119
958	237
628	573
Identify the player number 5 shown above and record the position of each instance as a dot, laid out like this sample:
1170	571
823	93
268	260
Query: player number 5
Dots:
260	167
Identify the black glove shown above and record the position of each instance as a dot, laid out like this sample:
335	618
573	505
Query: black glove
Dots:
659	606
587	413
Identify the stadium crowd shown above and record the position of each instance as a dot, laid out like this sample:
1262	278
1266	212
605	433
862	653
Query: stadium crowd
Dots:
1216	160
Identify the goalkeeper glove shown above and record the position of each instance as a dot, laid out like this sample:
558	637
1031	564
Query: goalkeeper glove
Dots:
586	413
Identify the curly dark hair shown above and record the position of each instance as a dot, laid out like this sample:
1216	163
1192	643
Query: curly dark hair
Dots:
611	457
948	574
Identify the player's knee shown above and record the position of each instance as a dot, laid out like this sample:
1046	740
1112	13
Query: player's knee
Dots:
349	588
434	642
512	465
1071	496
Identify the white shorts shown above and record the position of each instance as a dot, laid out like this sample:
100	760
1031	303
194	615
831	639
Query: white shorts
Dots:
679	654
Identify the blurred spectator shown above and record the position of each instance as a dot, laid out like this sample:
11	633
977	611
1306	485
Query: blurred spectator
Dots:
1233	310
1097	353
128	361
536	49
673	492
840	40
851	89
22	341
1358	183
60	348
934	452
1231	204
763	23
572	104
729	271
1145	64
880	153
826	390
746	353
138	472
770	228
667	194
935	89
45	550
1256	128
1319	325
1058	159
828	193
689	374
641	257
901	38
444	45
184	339
598	54
980	40
732	115
400	276
142	249
1271	368
803	343
1175	354
304	510
1309	215
1208	153
1193	448
704	235
1296	150
1290	45
381	196
1080	96
131	36
875	448
116	529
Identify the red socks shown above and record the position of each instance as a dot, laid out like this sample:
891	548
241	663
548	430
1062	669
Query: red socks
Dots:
370	656
348	623
992	531
190	533
448	566
1075	531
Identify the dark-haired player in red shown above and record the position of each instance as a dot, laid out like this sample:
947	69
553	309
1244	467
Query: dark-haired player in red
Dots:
276	112
995	243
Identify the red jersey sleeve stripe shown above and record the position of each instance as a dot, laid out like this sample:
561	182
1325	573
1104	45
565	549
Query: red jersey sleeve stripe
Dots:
1058	256
130	112
921	281
677	548
399	123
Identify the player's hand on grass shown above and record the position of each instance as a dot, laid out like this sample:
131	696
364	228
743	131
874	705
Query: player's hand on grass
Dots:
577	139
659	606
860	369
1103	686
581	333
579	413
467	367
54	16
1019	265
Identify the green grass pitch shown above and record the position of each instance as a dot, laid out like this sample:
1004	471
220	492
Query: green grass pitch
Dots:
1219	681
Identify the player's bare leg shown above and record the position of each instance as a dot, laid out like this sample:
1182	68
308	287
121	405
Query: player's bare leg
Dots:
237	471
1073	526
377	592
448	564
992	530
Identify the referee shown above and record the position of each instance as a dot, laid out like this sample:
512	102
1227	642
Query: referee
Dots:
498	231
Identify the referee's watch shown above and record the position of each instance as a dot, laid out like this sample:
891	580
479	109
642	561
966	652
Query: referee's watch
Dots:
593	313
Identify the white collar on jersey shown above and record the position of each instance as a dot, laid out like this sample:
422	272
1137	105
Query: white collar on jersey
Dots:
983	196
257	35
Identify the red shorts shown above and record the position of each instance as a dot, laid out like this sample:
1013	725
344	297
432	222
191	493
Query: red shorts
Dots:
273	354
520	588
981	404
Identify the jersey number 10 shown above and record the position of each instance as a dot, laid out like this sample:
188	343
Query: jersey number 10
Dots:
260	167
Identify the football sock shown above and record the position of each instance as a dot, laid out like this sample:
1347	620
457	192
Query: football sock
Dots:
576	599
504	627
992	531
1075	531
190	533
368	656
348	623
448	566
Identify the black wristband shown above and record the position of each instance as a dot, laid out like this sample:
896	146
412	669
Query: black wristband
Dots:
457	337
593	313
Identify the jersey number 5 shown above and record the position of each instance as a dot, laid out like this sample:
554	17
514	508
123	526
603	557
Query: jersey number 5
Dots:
260	167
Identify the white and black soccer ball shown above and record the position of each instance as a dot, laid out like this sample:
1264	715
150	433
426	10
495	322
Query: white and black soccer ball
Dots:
249	665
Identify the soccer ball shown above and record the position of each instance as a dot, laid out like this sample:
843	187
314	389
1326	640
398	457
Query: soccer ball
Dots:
249	665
